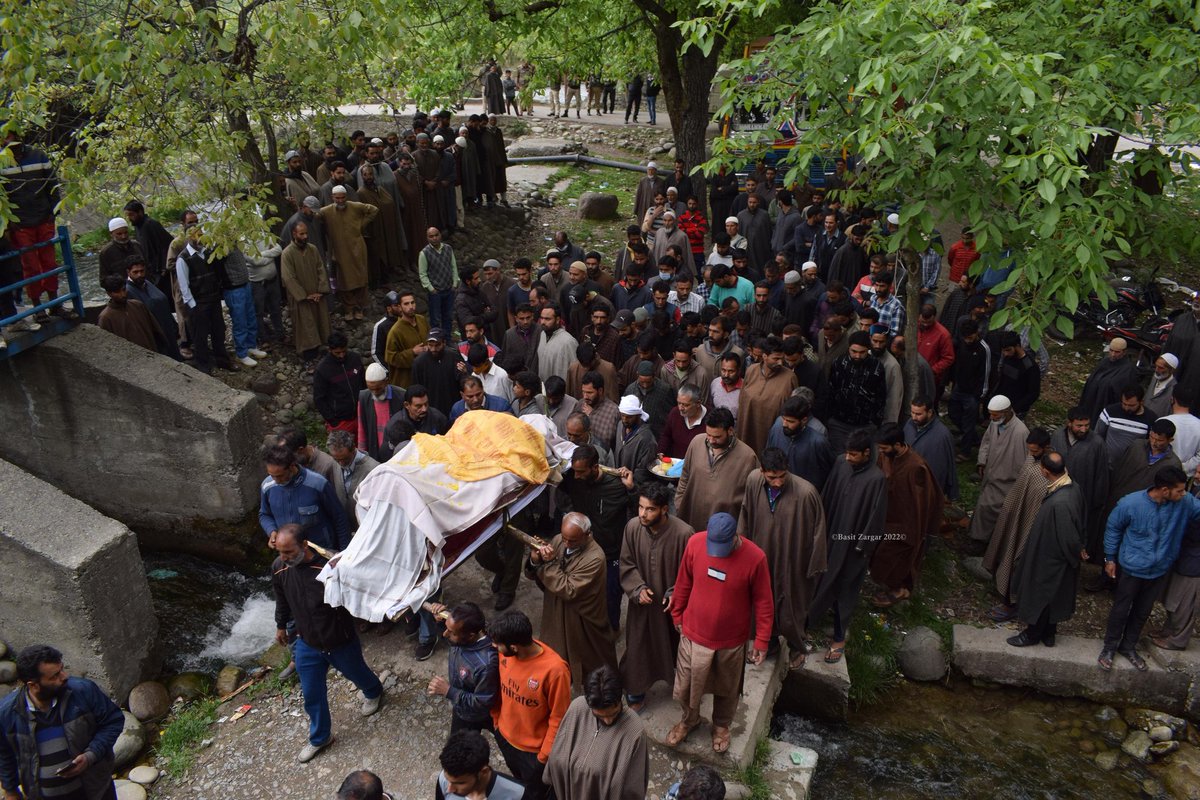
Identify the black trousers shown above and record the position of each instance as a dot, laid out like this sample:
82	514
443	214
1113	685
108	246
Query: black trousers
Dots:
457	723
633	106
208	324
608	99
526	768
1042	628
1132	603
504	556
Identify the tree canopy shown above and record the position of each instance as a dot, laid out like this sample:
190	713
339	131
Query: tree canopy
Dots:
1004	115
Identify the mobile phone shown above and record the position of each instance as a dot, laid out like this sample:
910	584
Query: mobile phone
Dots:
64	768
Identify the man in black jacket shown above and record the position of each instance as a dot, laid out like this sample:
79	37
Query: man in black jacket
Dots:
338	379
1019	378
970	375
325	636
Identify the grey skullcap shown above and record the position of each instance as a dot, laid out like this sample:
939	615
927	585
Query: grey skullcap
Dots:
421	136
290	155
312	202
491	263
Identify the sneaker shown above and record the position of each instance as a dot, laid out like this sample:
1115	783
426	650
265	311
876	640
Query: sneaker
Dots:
254	352
309	751
370	706
504	600
63	312
248	361
425	649
26	324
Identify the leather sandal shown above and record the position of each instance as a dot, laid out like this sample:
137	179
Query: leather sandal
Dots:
678	733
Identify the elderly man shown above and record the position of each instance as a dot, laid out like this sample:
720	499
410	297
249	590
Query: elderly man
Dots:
634	446
355	465
377	404
120	248
298	184
647	187
570	571
128	318
56	732
302	271
1001	458
473	397
914	515
578	431
345	222
713	615
669	234
712	471
1111	375
684	422
783	515
1162	385
651	549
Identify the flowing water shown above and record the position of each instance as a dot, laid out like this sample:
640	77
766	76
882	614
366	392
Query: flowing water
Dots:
926	742
209	615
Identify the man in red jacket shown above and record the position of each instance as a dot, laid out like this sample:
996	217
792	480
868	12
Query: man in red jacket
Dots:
722	579
935	344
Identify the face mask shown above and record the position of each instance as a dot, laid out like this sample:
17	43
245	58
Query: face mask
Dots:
665	276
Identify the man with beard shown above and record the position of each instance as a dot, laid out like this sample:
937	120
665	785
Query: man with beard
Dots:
1044	583
428	163
518	349
1134	471
494	286
652	547
200	275
377	404
495	160
406	340
647	188
339	177
292	493
893	373
1011	531
717	346
914	514
418	414
925	433
139	288
410	192
1162	385
1111	375
602	336
473	397
653	393
712	471
384	236
1019	377
764	317
298	184
129	319
1001	457
329	157
755	225
806	449
669	234
56	732
446	180
857	391
1123	423
1087	461
154	240
855	500
783	516
828	243
120	248
684	422
1184	342
806	232
555	347
851	262
345	223
767	386
603	413
439	370
302	271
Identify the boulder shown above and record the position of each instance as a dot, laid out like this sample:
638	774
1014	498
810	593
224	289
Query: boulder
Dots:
149	700
974	567
130	743
595	205
1114	731
128	790
538	146
276	657
1161	733
1147	718
1107	761
3	649
145	775
8	671
190	685
265	384
920	655
1137	744
1181	773
229	679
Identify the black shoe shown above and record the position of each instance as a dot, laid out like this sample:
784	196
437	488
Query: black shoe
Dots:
425	649
1022	639
1048	640
412	627
496	581
504	600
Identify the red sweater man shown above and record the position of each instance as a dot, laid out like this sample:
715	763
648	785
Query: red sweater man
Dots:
961	256
722	580
935	344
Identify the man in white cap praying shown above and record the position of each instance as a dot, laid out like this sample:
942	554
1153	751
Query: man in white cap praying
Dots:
1001	457
119	248
1162	385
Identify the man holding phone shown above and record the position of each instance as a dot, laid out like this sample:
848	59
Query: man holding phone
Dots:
56	733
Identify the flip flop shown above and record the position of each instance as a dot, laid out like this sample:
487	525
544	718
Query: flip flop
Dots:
678	733
720	740
1105	661
834	654
798	661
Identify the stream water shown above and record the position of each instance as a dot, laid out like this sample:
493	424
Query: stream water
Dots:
926	742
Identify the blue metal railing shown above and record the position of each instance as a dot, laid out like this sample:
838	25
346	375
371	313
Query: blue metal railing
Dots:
74	296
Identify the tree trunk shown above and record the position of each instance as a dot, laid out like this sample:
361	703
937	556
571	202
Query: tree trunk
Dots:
912	308
251	155
268	127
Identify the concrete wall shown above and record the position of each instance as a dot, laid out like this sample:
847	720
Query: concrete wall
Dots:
137	436
72	578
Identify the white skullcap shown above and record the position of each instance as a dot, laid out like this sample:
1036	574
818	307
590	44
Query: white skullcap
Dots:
1171	359
116	223
461	141
893	219
439	138
652	165
669	213
792	277
999	403
463	129
671	189
731	219
376	372
377	142
807	265
338	190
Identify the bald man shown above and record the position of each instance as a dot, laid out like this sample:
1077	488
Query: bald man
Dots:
437	268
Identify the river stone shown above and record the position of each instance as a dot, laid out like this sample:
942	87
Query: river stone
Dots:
1147	718
3	649
920	655
1115	731
299	408
1107	713
1137	744
8	671
229	679
1087	746
145	775
1163	749
595	205
129	743
190	685
1152	787
1107	761
276	656
1181	773
265	384
128	790
1161	733
149	700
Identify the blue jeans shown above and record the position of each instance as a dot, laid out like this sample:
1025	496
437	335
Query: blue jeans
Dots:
427	625
240	302
441	310
652	108
312	665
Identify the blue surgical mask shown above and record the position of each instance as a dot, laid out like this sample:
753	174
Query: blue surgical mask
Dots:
665	276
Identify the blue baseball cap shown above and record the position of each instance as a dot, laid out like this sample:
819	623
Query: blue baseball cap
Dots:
722	530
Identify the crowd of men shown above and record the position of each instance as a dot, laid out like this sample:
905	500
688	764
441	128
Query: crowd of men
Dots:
766	353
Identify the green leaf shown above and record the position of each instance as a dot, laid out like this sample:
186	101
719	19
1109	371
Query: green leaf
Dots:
1047	190
1083	255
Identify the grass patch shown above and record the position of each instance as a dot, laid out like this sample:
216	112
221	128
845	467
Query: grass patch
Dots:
90	241
181	738
871	657
752	776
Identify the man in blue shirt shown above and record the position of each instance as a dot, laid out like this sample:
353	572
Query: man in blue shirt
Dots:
475	399
466	773
1143	535
293	494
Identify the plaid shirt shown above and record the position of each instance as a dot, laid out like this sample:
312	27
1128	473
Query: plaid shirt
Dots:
931	268
605	418
694	302
891	313
702	289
